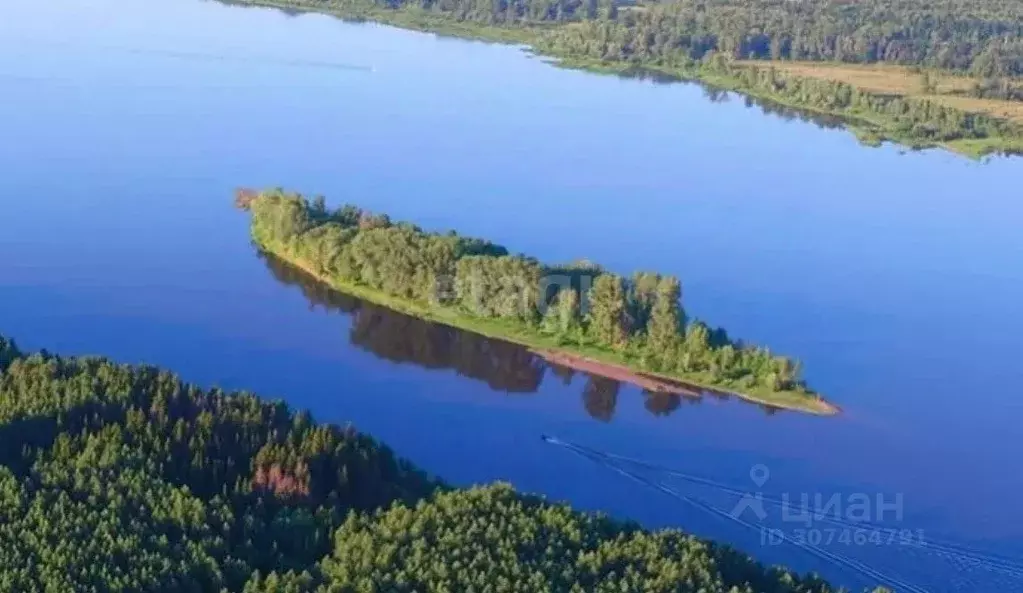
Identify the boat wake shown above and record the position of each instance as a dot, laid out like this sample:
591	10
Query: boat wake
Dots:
956	566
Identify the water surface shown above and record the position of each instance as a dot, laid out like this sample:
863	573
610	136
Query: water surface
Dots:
895	277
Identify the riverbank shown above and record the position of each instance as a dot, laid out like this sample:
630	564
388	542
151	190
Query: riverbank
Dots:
589	358
871	126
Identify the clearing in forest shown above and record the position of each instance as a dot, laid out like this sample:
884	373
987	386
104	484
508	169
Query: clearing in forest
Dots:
946	89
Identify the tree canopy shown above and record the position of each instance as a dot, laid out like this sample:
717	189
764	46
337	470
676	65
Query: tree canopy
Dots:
984	37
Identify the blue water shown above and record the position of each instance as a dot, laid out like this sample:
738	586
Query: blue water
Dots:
893	276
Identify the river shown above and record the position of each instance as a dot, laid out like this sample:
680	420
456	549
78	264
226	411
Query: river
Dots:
895	277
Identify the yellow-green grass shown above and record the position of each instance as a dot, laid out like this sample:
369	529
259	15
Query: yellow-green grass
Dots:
946	88
518	334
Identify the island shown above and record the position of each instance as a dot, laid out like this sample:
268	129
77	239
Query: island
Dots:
577	315
922	74
125	478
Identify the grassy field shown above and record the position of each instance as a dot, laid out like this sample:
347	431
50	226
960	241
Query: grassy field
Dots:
518	334
948	89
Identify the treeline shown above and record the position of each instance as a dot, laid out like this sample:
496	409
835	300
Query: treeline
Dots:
998	88
639	318
912	120
124	478
982	37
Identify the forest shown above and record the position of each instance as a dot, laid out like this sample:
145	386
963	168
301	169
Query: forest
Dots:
983	37
638	320
717	41
124	478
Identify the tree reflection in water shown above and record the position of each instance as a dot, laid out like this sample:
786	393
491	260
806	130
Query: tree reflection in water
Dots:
503	366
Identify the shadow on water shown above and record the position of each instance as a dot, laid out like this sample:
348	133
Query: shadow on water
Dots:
771	108
504	367
285	10
716	94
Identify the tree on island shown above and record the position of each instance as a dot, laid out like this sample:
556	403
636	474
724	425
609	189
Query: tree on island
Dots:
608	316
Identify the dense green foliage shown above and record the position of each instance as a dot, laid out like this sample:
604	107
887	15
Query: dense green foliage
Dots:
124	478
981	36
703	39
121	478
916	120
639	319
501	541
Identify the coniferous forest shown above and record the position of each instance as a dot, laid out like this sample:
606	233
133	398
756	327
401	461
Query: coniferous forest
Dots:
736	43
477	285
124	478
